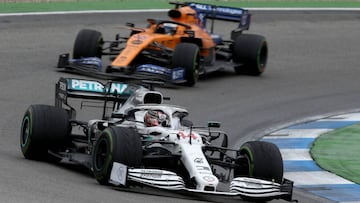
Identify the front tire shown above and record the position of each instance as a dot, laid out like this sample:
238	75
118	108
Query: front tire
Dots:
43	128
260	160
116	144
88	43
186	55
250	53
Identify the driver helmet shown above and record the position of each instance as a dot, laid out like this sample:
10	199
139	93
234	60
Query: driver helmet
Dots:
155	118
170	28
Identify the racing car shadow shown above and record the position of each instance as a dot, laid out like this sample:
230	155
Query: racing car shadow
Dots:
81	170
222	74
217	75
145	190
212	76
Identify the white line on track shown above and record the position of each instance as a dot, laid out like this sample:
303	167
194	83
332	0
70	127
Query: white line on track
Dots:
163	10
315	178
297	133
296	155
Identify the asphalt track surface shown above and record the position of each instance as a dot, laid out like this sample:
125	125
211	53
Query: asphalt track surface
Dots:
313	69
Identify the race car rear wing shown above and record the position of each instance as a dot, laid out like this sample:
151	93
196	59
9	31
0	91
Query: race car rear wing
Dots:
208	11
117	92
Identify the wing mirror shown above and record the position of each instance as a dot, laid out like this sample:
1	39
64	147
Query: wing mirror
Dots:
118	115
214	124
130	24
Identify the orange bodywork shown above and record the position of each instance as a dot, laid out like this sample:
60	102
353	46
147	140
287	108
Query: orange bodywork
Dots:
150	38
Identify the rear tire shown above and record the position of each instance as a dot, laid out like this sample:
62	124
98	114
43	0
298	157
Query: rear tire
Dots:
116	144
186	55
250	52
88	43
260	160
44	128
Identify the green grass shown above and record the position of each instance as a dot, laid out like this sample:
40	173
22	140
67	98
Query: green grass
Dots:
339	152
11	6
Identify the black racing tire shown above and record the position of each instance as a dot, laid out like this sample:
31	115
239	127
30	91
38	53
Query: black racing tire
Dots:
250	53
88	43
115	144
44	128
187	56
261	160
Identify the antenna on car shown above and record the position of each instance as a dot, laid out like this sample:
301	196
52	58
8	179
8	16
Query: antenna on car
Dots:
213	17
190	137
106	92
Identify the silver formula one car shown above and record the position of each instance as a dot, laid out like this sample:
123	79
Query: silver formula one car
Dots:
140	140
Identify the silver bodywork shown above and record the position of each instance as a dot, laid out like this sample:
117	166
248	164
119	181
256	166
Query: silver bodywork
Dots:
189	143
191	148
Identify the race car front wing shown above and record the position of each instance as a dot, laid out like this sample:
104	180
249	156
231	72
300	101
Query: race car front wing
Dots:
92	66
244	187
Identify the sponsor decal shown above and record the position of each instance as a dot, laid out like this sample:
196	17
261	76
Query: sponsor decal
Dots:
184	136
151	174
89	61
178	74
62	86
209	178
244	19
122	58
150	68
198	160
141	37
138	39
175	74
218	9
62	90
121	173
137	42
221	12
118	174
204	168
205	173
94	86
84	85
118	87
62	96
230	11
253	185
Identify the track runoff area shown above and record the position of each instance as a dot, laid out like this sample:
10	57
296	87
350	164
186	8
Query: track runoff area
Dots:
332	142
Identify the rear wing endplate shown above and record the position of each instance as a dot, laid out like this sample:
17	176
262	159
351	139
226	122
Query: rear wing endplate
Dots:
204	11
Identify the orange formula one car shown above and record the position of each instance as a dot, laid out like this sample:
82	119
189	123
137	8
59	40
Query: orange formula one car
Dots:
177	50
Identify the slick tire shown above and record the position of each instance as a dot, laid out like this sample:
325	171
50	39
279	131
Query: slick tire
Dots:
250	54
44	128
115	144
187	56
88	43
260	160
